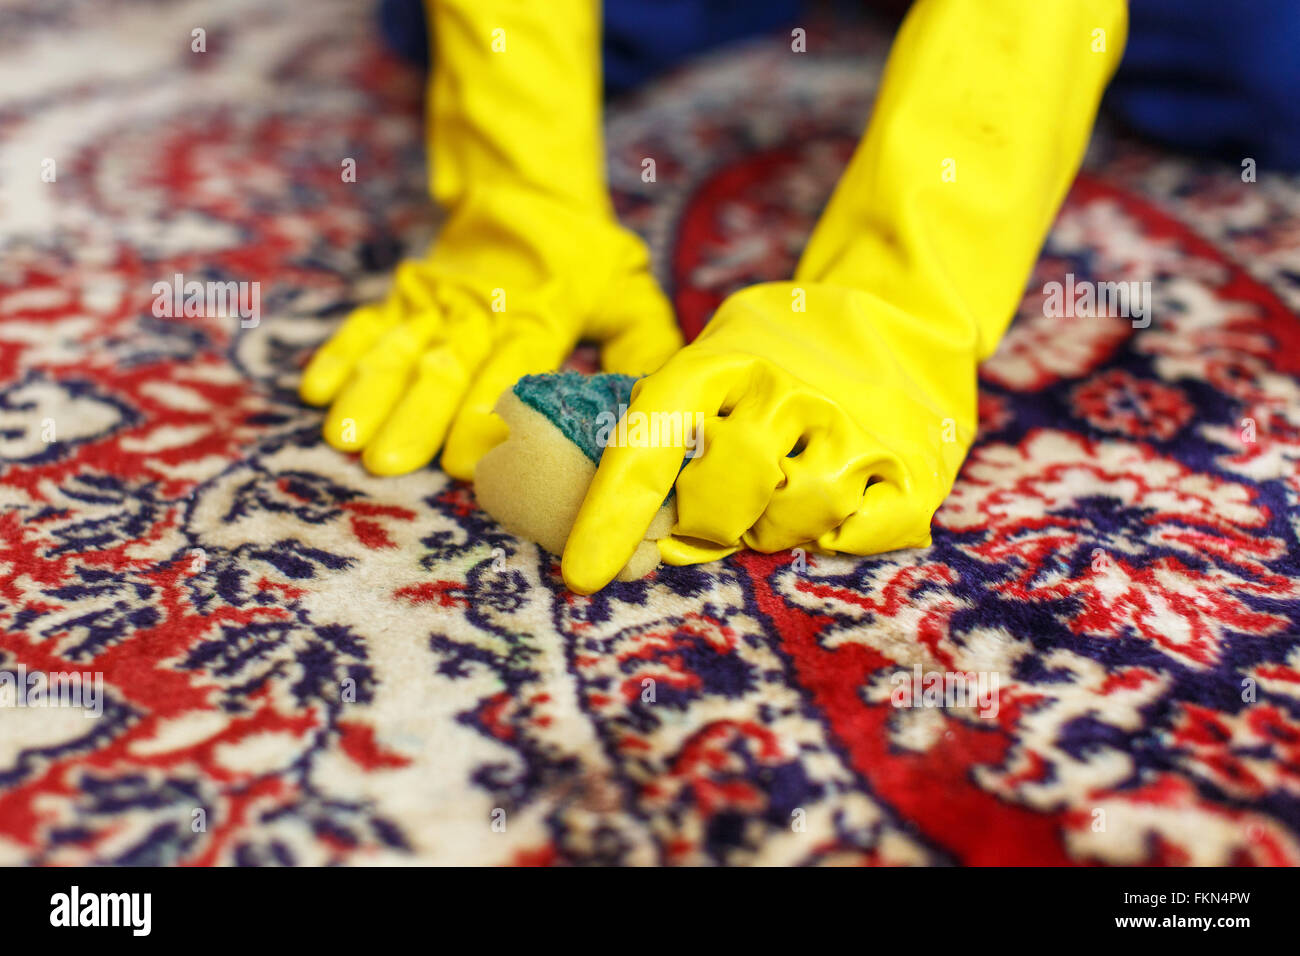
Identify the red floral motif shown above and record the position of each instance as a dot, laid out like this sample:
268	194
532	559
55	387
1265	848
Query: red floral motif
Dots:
1116	401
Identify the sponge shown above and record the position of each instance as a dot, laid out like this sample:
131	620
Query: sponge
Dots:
534	482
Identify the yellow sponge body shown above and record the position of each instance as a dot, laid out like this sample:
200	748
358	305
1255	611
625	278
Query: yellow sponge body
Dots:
534	482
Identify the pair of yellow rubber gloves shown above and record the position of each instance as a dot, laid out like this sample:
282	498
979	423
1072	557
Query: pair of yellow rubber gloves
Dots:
863	366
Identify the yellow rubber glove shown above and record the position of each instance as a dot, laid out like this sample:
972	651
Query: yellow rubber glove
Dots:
864	367
530	260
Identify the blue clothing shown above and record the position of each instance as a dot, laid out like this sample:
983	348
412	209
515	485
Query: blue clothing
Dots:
643	38
1215	76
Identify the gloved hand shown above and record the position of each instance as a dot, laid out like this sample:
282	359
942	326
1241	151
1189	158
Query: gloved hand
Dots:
826	427
844	425
1214	76
531	257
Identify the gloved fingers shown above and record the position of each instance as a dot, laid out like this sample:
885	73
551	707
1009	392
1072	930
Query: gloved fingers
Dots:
637	329
723	491
695	381
332	365
414	288
821	486
526	350
378	381
413	433
633	479
680	551
886	519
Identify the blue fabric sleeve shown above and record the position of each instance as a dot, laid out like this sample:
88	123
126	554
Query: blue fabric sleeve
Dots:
642	37
1220	77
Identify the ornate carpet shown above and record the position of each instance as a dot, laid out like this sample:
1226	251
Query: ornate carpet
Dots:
304	664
